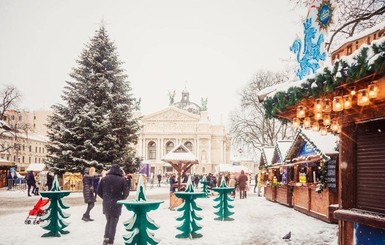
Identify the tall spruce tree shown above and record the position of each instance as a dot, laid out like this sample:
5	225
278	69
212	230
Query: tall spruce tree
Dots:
94	126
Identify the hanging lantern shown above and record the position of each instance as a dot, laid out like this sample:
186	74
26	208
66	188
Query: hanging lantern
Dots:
352	91
324	131
347	101
307	122
362	97
372	91
338	103
326	120
317	115
301	111
296	122
334	126
318	105
315	126
327	106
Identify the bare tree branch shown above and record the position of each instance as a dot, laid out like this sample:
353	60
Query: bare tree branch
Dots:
249	127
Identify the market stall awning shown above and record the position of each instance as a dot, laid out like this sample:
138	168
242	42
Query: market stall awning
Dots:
36	167
4	162
179	154
181	159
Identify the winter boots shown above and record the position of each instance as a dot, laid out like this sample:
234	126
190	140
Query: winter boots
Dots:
87	218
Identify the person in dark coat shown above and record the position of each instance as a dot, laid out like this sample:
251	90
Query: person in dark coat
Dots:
112	188
242	184
88	192
31	182
49	181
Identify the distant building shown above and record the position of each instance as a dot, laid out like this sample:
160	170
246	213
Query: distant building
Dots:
187	123
355	42
28	144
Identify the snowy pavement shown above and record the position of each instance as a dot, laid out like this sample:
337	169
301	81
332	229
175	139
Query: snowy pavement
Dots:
256	221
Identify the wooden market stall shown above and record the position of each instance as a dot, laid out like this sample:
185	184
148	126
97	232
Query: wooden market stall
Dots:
269	189
347	99
284	192
5	166
181	159
312	174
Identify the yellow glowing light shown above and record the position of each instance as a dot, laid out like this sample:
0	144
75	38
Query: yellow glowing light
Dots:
315	126
347	101
307	122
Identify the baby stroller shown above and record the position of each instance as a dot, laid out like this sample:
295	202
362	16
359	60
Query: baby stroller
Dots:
35	213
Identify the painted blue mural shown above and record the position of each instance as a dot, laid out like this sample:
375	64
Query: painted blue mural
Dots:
366	235
310	49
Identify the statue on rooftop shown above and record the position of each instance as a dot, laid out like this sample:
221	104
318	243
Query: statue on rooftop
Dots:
171	96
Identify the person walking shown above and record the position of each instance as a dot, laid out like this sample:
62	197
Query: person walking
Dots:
88	192
159	179
31	182
242	185
112	188
49	181
256	182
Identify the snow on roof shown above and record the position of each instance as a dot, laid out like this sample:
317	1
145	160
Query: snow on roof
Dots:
284	147
180	153
36	167
326	144
268	152
359	35
281	87
266	91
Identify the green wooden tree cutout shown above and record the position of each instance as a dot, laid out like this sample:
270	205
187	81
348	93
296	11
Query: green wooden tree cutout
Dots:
55	213
189	217
140	225
205	184
224	212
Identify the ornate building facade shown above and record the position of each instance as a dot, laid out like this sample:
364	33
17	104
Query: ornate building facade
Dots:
187	123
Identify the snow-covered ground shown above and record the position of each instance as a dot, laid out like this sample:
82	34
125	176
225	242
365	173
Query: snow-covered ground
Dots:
256	221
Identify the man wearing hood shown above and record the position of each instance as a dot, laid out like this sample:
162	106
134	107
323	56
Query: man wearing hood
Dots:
112	188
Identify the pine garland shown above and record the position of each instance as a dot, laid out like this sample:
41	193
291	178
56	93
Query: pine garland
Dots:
322	183
369	60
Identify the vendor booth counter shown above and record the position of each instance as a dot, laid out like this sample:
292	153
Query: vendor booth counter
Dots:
312	203
284	195
270	193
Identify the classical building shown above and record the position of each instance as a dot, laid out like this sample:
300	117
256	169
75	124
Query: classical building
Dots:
28	145
187	123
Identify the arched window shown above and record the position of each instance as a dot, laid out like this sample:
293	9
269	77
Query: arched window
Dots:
151	149
189	145
169	146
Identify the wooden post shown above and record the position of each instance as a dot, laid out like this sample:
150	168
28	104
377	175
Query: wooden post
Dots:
346	184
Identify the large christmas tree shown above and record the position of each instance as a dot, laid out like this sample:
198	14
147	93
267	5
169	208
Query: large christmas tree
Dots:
94	125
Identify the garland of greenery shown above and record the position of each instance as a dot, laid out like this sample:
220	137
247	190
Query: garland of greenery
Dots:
322	183
342	72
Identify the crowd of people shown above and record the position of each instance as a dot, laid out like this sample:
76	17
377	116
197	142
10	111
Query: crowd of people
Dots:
114	185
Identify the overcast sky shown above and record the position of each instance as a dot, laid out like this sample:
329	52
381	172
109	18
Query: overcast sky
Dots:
214	45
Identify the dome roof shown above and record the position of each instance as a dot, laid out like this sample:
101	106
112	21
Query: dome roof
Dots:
186	104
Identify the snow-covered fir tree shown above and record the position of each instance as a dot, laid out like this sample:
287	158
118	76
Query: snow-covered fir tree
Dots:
94	126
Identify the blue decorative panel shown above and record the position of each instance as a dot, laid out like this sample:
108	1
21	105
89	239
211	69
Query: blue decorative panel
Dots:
309	51
306	150
366	235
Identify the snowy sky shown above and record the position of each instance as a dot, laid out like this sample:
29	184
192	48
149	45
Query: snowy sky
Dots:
216	46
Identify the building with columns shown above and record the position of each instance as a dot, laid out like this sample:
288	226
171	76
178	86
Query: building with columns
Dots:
187	123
